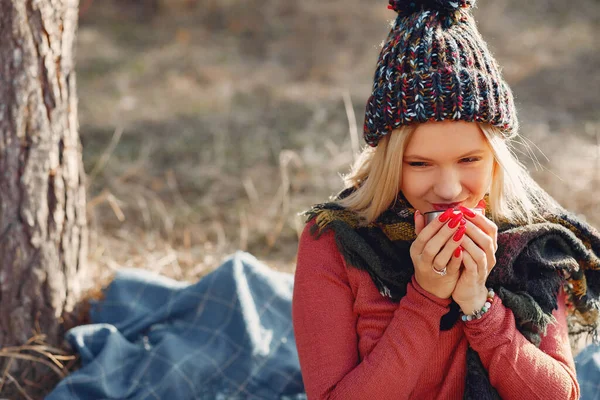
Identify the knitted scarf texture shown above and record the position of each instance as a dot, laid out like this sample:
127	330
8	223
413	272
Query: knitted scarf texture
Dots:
533	262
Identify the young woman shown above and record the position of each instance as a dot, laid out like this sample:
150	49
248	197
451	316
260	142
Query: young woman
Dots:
471	305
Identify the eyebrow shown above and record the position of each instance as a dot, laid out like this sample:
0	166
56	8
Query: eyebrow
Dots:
470	153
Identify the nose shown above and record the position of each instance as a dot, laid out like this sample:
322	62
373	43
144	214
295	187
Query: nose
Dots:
448	186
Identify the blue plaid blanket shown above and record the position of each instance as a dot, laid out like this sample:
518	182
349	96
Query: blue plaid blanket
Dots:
229	336
587	363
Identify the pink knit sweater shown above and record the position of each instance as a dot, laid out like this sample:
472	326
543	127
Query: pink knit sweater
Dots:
355	344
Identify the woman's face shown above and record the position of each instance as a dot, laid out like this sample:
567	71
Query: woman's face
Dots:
445	164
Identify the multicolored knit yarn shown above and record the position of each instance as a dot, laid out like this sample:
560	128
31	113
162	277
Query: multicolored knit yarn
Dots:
435	66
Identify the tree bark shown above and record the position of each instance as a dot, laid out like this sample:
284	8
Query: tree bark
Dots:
43	228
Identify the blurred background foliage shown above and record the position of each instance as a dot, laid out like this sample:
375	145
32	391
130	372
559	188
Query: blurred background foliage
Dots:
208	125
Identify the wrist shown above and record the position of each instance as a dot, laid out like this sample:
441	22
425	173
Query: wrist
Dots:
479	312
439	291
444	301
475	303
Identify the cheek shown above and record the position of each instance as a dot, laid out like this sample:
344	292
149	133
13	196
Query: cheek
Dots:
480	178
414	184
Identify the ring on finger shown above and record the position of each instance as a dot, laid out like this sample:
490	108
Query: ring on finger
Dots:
442	272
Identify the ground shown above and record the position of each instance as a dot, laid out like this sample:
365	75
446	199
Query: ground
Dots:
208	128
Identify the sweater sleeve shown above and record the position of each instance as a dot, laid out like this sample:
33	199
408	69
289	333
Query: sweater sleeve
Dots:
516	367
326	337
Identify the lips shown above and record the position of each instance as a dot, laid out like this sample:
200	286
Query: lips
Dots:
445	206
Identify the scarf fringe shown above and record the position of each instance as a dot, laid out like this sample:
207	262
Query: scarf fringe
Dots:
530	319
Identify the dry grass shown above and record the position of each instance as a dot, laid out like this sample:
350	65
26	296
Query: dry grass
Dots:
14	384
208	127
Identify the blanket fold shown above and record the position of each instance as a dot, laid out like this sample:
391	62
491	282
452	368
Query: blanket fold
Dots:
228	336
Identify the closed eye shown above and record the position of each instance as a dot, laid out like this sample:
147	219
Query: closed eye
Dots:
418	164
468	160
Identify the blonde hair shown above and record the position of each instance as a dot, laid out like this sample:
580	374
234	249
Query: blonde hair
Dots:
377	174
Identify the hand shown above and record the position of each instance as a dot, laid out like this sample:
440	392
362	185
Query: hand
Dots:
479	249
435	248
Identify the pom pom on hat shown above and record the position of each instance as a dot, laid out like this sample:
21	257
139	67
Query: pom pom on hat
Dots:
406	7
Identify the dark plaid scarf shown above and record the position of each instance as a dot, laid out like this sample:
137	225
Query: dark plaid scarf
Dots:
533	262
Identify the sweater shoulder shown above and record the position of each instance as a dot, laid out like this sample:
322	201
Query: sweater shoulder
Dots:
319	254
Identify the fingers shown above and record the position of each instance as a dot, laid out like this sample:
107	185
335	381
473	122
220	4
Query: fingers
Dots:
437	242
450	252
425	234
471	268
419	222
486	242
483	261
455	261
489	228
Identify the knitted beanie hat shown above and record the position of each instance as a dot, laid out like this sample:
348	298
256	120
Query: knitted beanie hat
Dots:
436	66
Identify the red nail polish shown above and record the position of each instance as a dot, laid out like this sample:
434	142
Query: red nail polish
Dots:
459	233
466	211
481	204
455	220
446	215
458	251
463	222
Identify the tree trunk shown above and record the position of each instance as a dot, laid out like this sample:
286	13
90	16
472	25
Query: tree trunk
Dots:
43	228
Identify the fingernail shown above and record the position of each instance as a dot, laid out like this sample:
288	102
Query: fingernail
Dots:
459	233
416	214
481	204
444	217
455	220
458	251
466	211
463	221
